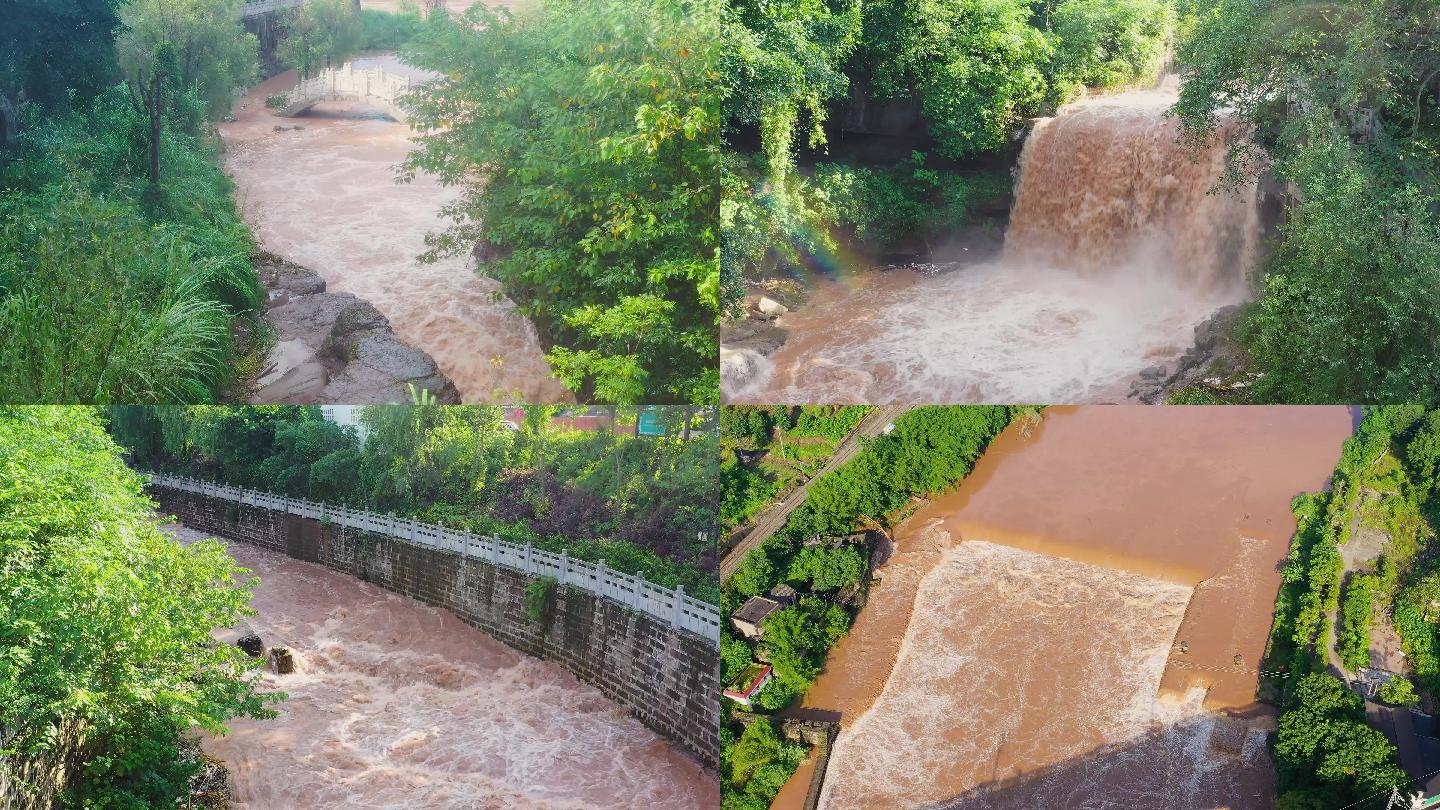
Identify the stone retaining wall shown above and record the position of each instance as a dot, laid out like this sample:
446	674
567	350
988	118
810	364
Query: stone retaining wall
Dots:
35	783
668	678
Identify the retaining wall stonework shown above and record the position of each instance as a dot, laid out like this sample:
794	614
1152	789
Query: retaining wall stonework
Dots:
35	783
668	678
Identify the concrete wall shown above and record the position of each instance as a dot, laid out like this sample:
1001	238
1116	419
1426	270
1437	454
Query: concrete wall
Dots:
668	678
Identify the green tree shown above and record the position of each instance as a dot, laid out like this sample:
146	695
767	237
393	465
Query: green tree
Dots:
1108	43
1422	454
756	574
321	33
51	47
758	744
796	638
975	65
828	568
1324	749
214	54
585	137
735	655
167	45
107	620
1399	691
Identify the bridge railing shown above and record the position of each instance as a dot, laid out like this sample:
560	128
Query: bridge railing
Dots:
250	8
682	611
348	81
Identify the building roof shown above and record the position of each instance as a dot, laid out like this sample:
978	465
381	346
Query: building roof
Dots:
783	591
749	681
755	609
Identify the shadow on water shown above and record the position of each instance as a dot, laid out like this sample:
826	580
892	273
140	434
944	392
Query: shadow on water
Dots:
1151	772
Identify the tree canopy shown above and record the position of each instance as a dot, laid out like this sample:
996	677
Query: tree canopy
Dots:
585	138
106	621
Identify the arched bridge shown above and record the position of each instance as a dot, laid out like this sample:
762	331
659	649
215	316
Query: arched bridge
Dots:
254	8
371	85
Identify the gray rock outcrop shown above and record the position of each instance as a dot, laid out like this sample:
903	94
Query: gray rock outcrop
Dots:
334	347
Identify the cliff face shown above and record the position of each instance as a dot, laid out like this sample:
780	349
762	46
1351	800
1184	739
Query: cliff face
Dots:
334	347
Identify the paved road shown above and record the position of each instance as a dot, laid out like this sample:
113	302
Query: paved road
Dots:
769	520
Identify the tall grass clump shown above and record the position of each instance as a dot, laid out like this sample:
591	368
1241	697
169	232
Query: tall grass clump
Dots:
113	289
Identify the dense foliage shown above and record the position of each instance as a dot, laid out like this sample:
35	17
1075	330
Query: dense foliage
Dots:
122	258
1341	99
976	68
105	620
321	33
597	216
886	205
1325	754
643	504
782	446
929	450
112	289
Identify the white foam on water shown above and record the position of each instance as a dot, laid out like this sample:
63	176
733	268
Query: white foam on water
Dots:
1026	680
1118	246
399	705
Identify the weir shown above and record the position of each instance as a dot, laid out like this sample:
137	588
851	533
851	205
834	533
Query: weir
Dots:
1087	588
651	650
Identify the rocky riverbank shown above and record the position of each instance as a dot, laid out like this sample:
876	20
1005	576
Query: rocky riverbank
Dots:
335	347
1209	363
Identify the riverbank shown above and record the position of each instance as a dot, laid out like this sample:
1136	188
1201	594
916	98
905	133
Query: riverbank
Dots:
319	190
398	705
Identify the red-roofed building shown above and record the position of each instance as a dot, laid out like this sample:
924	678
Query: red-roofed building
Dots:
749	684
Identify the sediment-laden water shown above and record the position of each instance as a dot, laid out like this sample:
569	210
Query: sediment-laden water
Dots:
325	197
1028	680
1118	247
399	705
1080	623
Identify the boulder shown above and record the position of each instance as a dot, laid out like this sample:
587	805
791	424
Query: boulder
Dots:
770	308
335	347
282	660
252	645
292	374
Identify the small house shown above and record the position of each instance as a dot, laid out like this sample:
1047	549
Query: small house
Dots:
749	684
750	615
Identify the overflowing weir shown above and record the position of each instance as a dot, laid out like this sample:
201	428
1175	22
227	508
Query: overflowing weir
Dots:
1082	622
1120	244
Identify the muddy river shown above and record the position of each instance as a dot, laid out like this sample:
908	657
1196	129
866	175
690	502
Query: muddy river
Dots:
325	197
399	705
1080	623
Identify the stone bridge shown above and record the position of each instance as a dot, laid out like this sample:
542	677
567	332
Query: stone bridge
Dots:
372	86
254	8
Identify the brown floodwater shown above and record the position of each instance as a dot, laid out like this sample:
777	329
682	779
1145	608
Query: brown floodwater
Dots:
1080	623
325	197
399	705
1118	246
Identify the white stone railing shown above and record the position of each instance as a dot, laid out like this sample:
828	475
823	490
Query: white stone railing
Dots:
683	612
347	83
251	8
